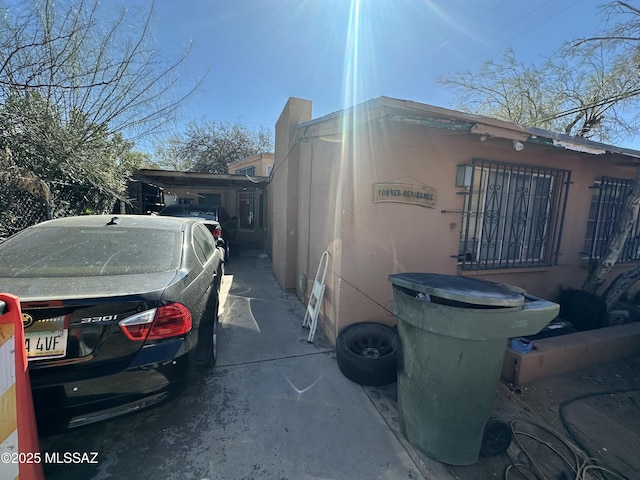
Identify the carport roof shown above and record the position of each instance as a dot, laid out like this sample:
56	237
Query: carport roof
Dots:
409	112
171	178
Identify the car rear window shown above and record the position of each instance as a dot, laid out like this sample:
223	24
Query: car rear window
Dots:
200	211
65	252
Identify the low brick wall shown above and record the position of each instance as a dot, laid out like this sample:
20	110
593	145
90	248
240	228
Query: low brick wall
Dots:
574	351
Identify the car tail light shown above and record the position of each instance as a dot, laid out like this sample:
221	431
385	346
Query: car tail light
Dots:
163	322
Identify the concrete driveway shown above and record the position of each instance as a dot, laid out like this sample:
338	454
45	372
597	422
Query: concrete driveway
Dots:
274	407
277	407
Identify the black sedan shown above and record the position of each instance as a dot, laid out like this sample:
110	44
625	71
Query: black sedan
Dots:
118	311
216	230
215	213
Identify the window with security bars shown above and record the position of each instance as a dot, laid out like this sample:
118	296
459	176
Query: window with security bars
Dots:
607	201
513	216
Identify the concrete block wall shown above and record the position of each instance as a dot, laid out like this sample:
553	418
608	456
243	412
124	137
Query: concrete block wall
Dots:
574	351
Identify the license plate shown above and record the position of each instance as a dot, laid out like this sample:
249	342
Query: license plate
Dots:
46	344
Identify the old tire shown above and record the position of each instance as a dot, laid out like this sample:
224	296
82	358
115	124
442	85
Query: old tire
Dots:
367	353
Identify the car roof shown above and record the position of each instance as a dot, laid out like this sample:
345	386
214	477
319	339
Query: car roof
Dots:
202	219
132	221
193	206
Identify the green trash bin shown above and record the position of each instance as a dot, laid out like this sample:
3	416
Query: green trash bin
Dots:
453	332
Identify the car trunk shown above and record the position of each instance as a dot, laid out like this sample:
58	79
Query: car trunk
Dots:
72	330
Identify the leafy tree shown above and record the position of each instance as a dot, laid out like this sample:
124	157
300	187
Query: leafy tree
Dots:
79	82
51	153
210	146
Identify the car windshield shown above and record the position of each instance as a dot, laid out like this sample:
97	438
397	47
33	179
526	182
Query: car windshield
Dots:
75	251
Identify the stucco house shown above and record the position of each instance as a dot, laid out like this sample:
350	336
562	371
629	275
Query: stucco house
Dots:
259	165
392	186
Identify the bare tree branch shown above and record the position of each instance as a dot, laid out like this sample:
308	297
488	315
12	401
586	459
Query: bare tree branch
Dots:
82	57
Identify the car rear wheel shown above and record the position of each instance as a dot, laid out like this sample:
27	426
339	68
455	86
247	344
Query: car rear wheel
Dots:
207	348
220	276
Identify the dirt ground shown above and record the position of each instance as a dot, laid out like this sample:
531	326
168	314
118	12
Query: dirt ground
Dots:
559	425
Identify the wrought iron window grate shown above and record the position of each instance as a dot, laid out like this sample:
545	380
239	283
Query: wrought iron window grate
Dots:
513	216
245	205
607	202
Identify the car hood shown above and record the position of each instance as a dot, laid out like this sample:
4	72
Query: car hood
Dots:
60	288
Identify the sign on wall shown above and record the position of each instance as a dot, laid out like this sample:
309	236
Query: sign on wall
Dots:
404	193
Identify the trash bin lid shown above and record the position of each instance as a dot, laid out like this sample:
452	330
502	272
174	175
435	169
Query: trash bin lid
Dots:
461	289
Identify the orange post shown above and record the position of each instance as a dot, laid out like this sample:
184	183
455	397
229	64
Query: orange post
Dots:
20	456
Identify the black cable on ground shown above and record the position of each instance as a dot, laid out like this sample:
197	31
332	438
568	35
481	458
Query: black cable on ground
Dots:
582	466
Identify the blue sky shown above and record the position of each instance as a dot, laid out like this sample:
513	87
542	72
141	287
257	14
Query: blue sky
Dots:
258	53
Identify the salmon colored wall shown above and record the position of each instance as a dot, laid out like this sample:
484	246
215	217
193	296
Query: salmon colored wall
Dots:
386	238
284	192
320	222
368	241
